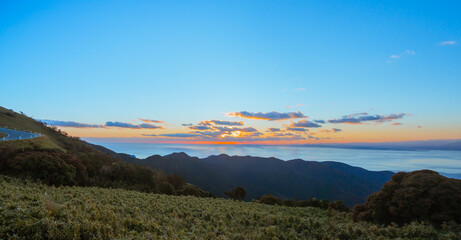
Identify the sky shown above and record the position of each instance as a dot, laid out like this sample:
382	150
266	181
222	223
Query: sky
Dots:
233	72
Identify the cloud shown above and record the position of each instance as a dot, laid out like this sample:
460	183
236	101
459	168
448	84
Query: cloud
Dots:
333	130
187	124
419	126
396	124
304	124
319	121
273	130
219	122
200	128
150	121
297	129
228	129
410	52
360	118
71	124
270	116
149	135
179	135
444	43
132	126
405	53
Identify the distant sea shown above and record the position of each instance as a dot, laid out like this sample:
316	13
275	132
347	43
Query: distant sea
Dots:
448	162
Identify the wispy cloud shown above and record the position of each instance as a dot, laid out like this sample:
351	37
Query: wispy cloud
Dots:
132	126
297	129
333	130
397	124
304	124
200	127
360	118
444	43
150	121
219	122
178	135
273	130
70	124
394	57
410	52
270	116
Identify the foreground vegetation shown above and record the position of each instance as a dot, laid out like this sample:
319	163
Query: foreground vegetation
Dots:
422	195
35	211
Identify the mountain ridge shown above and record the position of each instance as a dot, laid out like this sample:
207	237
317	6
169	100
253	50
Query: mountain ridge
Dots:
293	179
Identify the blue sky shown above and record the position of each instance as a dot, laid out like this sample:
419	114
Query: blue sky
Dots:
190	61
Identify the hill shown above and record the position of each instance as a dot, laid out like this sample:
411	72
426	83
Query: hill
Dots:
58	159
295	179
35	211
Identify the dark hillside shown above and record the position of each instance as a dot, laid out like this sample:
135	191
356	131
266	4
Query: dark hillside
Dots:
295	179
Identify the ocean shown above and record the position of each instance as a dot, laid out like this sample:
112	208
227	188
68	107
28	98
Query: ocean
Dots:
447	162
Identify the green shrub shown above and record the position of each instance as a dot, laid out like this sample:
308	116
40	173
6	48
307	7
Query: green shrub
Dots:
416	196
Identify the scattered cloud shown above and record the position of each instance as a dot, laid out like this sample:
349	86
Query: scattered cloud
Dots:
132	126
445	43
200	127
397	124
360	118
70	124
273	130
333	130
270	116
319	121
150	121
394	57
419	126
149	135
187	124
179	135
410	52
219	122
297	129
304	124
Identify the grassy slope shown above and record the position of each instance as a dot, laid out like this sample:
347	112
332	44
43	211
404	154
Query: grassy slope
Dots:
35	211
12	120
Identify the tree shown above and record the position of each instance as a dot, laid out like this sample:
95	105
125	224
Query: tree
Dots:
237	193
416	196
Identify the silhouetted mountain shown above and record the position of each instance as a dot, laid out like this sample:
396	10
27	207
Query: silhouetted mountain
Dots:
294	179
437	144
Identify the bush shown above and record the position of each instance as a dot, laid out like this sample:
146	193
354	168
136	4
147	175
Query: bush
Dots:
237	193
416	196
270	199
